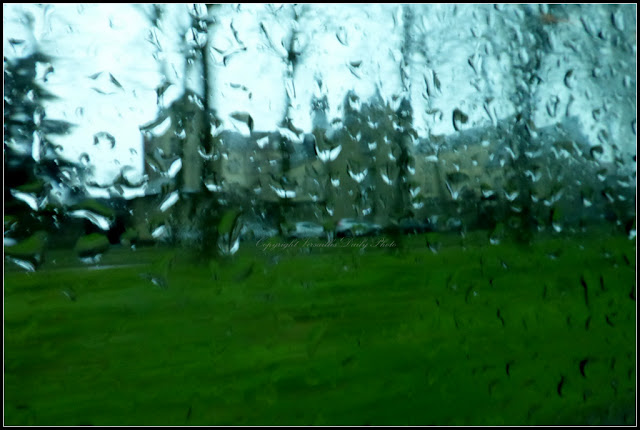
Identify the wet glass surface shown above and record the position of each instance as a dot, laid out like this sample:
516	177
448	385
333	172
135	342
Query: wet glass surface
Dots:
319	214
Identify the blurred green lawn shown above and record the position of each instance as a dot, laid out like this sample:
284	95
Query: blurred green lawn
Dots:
472	334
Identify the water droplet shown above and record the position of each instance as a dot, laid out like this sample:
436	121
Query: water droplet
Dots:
175	167
100	221
23	264
104	138
475	61
70	294
341	34
357	176
455	192
569	79
511	196
85	159
459	118
524	55
387	180
603	136
228	246
243	118
156	279
160	232
328	154
282	193
216	188
30	199
262	142
169	201
617	18
552	106
596	152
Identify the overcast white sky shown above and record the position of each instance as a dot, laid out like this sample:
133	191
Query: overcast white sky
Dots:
91	44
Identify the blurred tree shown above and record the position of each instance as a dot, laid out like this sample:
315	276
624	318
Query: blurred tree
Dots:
403	132
527	48
324	148
197	215
36	178
291	55
206	208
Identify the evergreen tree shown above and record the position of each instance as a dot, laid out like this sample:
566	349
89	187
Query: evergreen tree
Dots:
33	168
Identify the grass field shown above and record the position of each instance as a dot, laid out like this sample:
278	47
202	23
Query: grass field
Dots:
445	331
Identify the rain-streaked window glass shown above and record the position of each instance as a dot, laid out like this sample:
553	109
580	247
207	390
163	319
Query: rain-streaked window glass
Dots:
280	214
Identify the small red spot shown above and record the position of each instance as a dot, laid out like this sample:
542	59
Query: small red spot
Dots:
548	18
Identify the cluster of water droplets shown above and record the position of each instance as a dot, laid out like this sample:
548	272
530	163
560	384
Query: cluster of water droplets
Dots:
413	138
